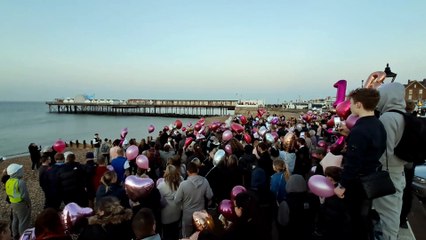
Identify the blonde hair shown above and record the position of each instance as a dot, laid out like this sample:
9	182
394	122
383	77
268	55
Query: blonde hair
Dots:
109	178
172	177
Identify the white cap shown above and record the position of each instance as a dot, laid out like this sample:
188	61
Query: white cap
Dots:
13	168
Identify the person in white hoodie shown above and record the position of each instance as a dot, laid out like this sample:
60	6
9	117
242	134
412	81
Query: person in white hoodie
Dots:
392	97
191	194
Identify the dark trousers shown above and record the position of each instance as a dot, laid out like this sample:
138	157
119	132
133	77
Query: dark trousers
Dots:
407	197
171	231
359	208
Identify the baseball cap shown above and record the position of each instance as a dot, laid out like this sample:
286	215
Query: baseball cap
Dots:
13	168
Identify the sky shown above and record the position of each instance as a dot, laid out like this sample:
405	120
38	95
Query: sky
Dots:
205	49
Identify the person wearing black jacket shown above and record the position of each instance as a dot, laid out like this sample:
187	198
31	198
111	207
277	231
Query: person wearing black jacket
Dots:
34	155
303	161
72	182
366	143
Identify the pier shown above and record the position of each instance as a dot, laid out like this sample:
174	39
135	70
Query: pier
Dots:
147	107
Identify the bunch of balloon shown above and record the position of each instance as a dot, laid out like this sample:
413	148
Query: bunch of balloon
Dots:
226	206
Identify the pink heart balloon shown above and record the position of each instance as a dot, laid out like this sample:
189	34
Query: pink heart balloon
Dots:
138	188
338	146
132	152
142	162
72	212
227	135
188	141
237	128
321	186
59	146
343	109
236	190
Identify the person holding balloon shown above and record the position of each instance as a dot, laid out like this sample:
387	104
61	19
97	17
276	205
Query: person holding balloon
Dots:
248	223
366	144
334	217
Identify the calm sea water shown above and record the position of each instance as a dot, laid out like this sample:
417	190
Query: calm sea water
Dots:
22	123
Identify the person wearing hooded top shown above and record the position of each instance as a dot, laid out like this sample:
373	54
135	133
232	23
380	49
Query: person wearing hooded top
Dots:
192	194
392	97
53	192
303	207
20	201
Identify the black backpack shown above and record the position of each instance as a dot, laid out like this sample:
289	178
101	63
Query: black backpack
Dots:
412	146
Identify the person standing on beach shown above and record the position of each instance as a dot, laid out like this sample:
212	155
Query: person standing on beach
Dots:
20	201
366	143
97	145
34	155
72	182
105	147
53	193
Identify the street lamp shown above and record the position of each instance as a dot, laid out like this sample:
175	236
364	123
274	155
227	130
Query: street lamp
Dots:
389	73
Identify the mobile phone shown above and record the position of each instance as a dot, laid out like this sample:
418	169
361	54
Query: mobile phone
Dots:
336	122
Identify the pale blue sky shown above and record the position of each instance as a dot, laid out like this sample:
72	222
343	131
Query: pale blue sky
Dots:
270	50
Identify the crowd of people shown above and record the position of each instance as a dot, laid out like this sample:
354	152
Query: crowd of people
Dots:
191	175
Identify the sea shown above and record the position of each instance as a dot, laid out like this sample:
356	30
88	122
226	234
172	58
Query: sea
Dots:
22	123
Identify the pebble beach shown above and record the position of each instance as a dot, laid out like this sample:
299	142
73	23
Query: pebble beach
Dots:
31	179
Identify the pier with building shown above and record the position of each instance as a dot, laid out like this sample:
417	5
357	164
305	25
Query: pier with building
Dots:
144	107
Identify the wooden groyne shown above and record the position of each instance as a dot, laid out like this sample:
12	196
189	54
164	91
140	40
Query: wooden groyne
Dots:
143	107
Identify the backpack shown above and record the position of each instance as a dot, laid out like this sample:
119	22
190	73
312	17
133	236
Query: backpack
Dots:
411	147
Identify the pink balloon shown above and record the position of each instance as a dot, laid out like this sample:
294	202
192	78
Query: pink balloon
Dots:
178	124
159	181
351	120
123	133
201	121
243	120
184	129
237	128
275	135
138	188
228	149
227	135
188	141
73	212
132	152
142	162
151	128
338	146
59	146
330	122
197	126
226	208
275	120
189	124
343	109
321	186
214	126
322	144
236	190
341	92
247	138
166	128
